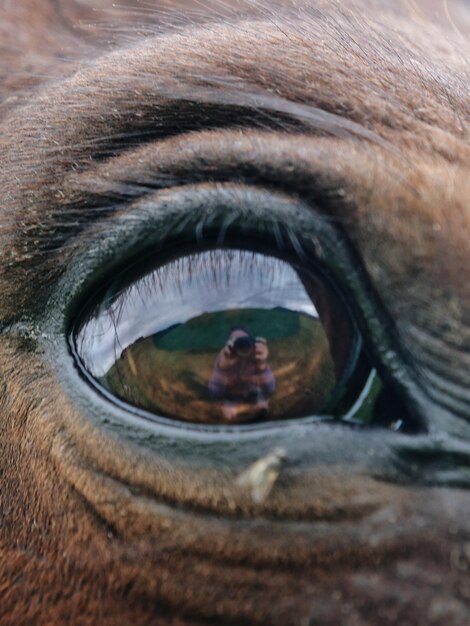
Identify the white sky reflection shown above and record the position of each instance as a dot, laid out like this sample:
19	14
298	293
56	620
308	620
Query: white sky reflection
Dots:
183	289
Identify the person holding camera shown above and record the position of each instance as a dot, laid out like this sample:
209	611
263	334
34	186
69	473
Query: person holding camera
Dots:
241	377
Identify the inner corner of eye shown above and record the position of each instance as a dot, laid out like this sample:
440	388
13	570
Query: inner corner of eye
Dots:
227	336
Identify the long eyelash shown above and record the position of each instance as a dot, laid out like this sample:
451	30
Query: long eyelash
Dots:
181	225
297	246
228	221
199	231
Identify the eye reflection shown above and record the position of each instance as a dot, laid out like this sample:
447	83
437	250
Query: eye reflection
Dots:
223	336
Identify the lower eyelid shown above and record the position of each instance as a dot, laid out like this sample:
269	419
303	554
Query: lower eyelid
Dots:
204	468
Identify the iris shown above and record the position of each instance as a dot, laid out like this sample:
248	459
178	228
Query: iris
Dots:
223	336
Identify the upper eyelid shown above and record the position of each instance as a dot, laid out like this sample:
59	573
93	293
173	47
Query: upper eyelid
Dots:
211	156
95	195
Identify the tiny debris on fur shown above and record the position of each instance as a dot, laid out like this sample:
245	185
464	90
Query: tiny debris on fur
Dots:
261	475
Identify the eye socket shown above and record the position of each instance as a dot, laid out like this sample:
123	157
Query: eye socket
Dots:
225	335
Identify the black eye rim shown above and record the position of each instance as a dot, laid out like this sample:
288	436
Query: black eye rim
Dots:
357	370
145	225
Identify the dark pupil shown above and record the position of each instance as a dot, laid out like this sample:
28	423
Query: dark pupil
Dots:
224	336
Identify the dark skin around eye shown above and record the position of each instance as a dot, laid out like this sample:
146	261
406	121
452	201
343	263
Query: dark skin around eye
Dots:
337	130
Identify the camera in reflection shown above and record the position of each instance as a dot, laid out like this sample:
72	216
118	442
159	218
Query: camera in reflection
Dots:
244	346
242	379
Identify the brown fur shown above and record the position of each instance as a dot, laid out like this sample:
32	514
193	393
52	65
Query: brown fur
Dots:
359	109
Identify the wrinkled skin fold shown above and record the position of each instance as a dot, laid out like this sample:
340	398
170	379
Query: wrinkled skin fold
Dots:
345	124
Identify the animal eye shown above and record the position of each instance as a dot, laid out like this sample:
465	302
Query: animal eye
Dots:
225	335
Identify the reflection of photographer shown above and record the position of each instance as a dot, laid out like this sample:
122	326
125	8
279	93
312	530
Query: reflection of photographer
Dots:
242	377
